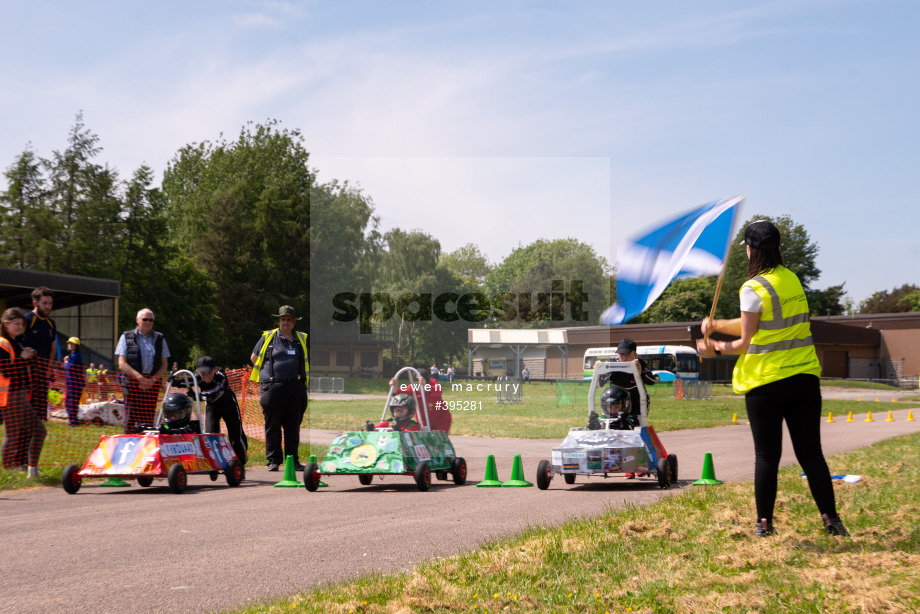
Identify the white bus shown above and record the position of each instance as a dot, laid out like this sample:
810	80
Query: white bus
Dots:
668	362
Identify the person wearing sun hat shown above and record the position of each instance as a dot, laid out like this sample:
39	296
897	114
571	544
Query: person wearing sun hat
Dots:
281	366
778	373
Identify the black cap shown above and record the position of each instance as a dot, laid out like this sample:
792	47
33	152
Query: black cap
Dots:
206	364
761	235
627	346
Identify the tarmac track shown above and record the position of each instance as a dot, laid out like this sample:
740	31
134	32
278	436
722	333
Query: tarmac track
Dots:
214	547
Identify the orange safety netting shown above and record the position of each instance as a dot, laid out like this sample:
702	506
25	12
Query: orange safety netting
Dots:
80	406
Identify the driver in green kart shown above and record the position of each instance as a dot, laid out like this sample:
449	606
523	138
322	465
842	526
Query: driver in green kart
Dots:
402	408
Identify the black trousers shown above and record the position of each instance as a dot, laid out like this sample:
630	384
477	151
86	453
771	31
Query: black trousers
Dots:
283	405
228	409
797	400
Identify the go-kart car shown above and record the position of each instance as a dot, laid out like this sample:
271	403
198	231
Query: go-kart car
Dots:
611	446
379	450
156	453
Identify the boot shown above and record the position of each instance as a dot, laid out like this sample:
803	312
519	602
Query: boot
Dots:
764	528
33	472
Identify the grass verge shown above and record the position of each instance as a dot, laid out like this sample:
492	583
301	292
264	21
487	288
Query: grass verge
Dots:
540	417
695	552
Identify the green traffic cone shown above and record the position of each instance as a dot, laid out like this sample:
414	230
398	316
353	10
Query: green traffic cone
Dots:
517	474
491	474
709	472
313	460
115	483
290	476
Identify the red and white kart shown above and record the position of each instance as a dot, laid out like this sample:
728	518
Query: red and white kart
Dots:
154	455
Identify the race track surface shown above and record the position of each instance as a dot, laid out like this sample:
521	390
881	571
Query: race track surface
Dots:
214	547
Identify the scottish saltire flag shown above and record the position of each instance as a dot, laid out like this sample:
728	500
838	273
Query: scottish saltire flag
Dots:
696	243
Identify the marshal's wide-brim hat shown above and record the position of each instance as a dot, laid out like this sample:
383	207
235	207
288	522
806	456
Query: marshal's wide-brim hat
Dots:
286	310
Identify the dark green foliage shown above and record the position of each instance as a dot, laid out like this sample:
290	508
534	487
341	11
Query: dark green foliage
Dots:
898	300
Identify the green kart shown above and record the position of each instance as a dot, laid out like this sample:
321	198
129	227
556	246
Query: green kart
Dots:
381	451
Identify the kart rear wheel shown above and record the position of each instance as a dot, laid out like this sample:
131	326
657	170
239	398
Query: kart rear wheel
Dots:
71	479
544	474
672	461
664	473
422	476
311	477
234	473
365	479
177	478
569	478
213	475
144	480
458	471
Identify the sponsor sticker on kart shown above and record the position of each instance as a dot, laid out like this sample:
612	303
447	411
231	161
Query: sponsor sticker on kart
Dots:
571	467
573	455
178	448
421	452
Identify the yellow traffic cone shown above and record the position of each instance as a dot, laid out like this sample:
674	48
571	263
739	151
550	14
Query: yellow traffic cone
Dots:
830	417
910	416
859	398
850	417
876	399
890	418
869	417
734	418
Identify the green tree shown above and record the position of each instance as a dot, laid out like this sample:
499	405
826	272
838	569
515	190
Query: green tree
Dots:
27	224
831	301
898	300
241	211
468	263
83	198
684	300
549	284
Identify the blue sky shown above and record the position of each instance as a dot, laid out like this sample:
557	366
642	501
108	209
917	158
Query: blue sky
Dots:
501	123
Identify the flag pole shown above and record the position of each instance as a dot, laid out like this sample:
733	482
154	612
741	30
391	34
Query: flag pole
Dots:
715	299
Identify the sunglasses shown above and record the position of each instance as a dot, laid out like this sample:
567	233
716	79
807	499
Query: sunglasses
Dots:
146	319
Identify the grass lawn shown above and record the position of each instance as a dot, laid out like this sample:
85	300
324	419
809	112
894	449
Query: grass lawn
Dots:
695	552
540	416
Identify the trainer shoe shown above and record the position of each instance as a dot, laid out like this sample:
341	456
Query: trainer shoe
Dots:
764	528
298	466
35	473
273	466
834	526
630	476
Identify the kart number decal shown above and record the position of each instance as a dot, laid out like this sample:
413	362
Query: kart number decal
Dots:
421	453
178	448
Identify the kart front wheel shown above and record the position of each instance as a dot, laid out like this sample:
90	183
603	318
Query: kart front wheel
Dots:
145	481
234	473
544	474
422	476
664	473
458	471
71	479
311	477
672	461
365	479
177	478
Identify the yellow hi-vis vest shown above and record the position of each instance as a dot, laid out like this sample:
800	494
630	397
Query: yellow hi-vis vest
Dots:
782	345
267	340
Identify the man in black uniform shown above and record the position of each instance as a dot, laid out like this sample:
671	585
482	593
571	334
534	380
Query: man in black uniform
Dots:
281	365
221	403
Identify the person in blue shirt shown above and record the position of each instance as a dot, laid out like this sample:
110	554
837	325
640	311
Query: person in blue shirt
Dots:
74	380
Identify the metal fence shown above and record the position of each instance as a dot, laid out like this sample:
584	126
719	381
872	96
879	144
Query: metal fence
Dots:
692	390
327	384
509	390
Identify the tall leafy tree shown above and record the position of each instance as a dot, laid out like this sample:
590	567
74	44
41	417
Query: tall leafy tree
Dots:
468	263
241	211
549	284
83	198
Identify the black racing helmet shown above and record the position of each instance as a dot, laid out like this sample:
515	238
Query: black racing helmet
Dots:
615	400
403	400
177	411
